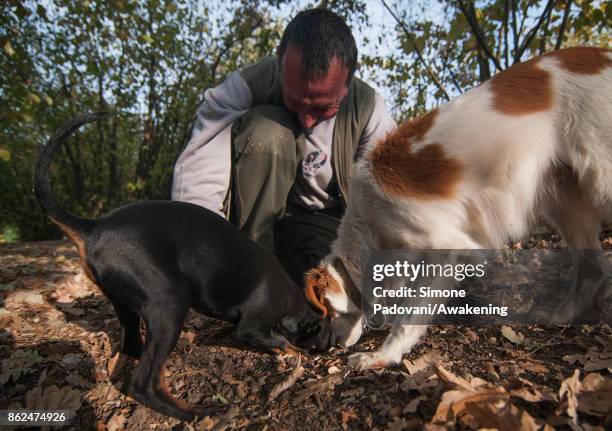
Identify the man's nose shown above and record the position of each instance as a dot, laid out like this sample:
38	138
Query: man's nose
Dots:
307	120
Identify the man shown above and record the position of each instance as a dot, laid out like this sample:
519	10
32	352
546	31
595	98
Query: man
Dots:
272	147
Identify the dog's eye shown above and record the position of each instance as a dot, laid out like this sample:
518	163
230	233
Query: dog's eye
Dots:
312	328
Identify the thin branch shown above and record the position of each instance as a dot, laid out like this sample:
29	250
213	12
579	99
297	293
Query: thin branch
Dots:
544	31
453	77
230	42
505	24
470	15
515	36
525	17
531	34
568	6
428	68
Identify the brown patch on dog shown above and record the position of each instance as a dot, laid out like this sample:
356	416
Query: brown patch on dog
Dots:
426	173
583	60
418	127
522	89
317	282
80	243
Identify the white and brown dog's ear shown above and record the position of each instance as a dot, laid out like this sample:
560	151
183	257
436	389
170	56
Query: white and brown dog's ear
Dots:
316	282
330	283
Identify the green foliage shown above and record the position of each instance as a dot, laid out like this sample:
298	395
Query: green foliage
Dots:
9	234
147	62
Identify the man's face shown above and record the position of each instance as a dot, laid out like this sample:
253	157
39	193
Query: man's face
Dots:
316	100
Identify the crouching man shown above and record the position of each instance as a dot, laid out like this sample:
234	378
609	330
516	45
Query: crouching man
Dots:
272	147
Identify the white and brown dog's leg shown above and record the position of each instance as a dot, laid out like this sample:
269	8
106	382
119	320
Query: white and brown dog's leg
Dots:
573	213
571	210
401	339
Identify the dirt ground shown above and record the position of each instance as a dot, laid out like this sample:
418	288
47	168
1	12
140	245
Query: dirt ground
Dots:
57	334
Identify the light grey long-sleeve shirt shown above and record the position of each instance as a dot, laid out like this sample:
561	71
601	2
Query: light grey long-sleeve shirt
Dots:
202	171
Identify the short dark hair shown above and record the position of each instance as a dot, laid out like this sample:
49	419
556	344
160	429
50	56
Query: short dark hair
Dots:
320	35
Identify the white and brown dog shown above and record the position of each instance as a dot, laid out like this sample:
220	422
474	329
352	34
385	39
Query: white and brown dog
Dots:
535	141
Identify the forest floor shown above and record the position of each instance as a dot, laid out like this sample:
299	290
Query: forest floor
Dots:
57	334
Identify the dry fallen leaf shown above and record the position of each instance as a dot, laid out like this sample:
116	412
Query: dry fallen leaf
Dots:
593	359
352	393
348	416
115	364
20	362
534	367
71	359
491	373
207	423
502	415
477	404
451	378
471	335
423	381
333	370
15	300
422	363
53	398
568	396
531	392
595	398
75	379
224	420
186	340
412	406
514	337
288	382
313	387
116	422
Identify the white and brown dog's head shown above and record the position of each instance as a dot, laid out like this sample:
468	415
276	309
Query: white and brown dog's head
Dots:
331	291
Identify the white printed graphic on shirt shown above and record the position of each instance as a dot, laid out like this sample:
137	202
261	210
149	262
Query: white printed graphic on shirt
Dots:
312	162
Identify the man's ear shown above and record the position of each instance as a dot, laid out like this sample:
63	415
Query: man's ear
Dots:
278	53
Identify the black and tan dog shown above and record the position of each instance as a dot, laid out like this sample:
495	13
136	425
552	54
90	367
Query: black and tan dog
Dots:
156	260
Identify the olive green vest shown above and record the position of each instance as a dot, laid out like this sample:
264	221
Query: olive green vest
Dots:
263	79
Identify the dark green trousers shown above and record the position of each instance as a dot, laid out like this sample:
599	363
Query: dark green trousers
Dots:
266	142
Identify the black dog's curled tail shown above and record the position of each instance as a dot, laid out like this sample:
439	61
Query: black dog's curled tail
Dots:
69	223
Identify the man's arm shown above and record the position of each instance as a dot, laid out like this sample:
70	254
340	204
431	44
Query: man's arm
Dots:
202	171
379	125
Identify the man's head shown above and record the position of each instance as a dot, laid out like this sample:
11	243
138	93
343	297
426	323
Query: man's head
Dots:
318	58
